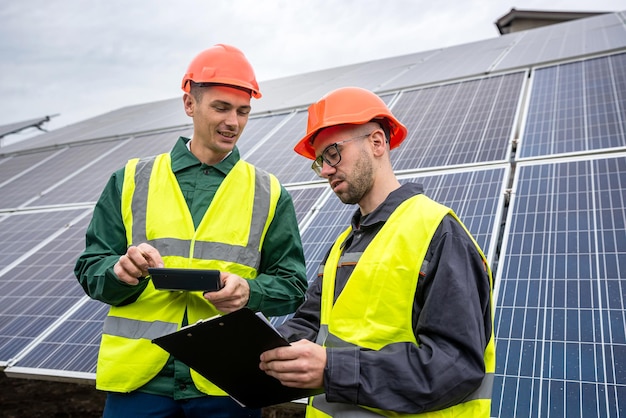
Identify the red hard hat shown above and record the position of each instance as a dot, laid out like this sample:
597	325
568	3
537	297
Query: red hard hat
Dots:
348	105
222	64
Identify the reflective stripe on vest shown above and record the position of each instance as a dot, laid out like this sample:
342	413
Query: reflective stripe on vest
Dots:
347	328
135	329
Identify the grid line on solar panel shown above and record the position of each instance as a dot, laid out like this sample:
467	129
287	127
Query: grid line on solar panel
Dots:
4	160
576	107
22	232
87	185
560	305
21	165
304	200
456	124
27	189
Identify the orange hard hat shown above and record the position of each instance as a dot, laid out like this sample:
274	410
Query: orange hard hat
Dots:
222	64
348	105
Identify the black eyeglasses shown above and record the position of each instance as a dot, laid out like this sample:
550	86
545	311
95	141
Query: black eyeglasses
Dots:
331	154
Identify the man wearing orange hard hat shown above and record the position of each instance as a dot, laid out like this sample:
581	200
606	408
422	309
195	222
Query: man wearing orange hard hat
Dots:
199	206
399	321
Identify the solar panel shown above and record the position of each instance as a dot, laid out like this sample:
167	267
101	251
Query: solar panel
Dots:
560	323
276	153
456	62
256	131
87	181
71	348
459	123
21	232
20	126
141	118
576	107
15	166
26	189
574	38
304	200
35	293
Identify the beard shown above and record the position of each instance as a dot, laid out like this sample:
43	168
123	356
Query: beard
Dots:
359	181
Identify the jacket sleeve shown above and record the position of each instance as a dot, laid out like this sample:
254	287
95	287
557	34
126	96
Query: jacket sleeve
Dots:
305	323
451	320
280	286
105	242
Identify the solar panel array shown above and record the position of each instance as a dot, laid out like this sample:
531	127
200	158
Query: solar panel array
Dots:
533	160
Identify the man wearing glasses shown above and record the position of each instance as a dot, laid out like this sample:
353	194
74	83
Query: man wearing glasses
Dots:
401	316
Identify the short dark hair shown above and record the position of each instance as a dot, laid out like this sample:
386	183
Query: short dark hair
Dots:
384	125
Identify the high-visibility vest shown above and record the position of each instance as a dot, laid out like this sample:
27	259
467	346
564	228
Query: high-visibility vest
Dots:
229	238
375	307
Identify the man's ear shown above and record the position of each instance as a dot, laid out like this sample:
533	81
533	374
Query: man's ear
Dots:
379	143
189	103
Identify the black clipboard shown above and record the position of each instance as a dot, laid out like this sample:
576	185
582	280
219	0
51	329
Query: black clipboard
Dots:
185	279
227	349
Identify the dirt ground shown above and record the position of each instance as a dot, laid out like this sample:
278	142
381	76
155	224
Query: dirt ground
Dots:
23	398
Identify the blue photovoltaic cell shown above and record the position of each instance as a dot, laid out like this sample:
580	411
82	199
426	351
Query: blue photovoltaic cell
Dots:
460	123
575	107
560	318
38	291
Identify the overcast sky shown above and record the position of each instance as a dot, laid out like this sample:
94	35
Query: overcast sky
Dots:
82	58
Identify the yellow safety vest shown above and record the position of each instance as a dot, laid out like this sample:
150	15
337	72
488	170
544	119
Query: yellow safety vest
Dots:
375	307
229	238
